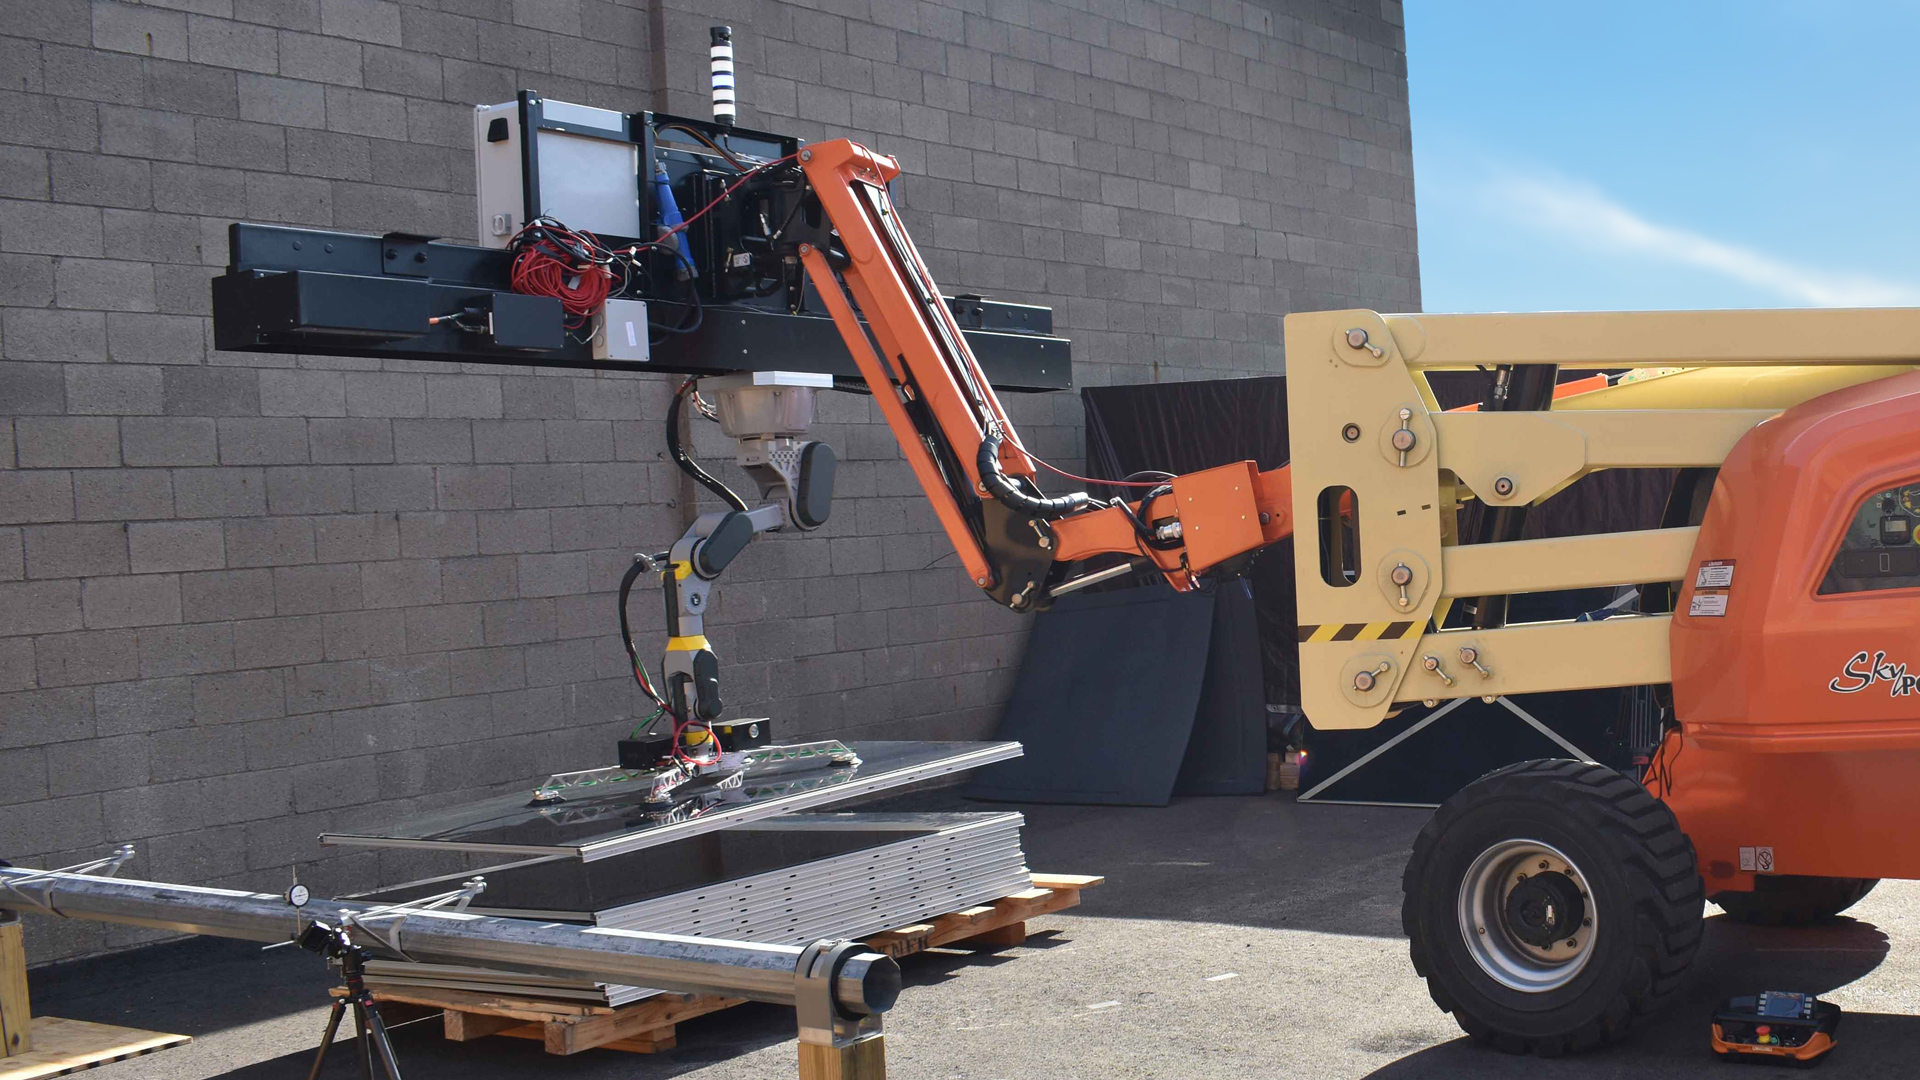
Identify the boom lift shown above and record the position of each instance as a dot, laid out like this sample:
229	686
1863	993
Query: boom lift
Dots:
1547	904
1551	902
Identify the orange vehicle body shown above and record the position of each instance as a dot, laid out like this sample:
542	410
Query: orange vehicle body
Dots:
1773	754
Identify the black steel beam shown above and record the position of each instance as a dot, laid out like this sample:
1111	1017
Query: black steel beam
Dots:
289	290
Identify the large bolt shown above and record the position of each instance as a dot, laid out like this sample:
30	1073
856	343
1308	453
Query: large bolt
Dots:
1356	338
1363	681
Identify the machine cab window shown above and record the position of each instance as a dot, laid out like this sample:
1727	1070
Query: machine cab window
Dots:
1881	548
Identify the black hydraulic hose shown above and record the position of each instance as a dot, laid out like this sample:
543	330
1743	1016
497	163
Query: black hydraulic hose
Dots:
685	461
1011	496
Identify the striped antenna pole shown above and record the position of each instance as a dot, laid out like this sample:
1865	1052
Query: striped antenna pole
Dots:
724	102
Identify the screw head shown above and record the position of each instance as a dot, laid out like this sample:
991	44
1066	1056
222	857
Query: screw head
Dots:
806	155
1503	486
1431	663
1403	440
1468	654
1544	864
1351	432
1401	574
1573	943
983	581
1356	338
694	600
1363	681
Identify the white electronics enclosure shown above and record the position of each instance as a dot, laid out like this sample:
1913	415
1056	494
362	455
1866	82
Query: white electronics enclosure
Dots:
534	157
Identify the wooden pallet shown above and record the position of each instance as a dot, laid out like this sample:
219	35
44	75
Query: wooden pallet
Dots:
648	1026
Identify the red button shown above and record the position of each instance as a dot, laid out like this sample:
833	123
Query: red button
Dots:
1763	1029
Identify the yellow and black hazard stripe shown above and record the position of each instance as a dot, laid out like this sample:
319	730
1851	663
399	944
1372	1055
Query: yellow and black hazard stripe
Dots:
1361	631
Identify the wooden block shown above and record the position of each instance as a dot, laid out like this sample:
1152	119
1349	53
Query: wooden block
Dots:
864	1060
1067	881
64	1046
905	941
570	1035
498	1004
16	1012
466	1026
1000	937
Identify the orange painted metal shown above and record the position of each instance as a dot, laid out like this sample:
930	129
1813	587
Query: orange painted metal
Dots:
965	544
1771	755
1761	678
923	356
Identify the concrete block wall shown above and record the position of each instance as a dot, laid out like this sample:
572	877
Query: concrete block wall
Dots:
248	598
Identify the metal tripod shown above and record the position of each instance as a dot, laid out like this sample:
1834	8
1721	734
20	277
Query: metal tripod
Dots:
370	1032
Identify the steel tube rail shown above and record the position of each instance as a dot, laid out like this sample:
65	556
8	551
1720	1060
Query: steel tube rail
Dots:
862	984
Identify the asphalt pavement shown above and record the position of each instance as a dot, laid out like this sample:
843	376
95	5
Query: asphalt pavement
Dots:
1234	937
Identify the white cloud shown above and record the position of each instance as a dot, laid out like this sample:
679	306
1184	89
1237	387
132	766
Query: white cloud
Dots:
1582	214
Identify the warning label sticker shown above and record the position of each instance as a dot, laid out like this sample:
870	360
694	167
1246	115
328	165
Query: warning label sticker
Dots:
1709	604
1757	860
1714	574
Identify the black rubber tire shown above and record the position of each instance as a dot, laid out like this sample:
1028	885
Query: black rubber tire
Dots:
1790	900
1641	876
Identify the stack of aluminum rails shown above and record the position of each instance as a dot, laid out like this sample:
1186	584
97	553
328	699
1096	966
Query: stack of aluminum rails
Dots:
732	860
903	869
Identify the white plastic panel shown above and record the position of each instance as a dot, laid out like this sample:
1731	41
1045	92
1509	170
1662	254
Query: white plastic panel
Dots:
590	183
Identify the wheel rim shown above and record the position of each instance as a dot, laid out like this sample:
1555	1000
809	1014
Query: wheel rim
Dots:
1526	915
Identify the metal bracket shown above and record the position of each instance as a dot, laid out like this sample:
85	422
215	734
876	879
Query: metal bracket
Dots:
457	899
105	867
821	1021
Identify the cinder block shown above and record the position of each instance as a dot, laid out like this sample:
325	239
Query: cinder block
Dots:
98	180
310	490
486	671
432	441
145	705
436	533
474	487
316	58
389	394
307	590
350	441
356	635
92	656
113	390
140	600
270	541
408	678
393	488
49	335
219	492
60	442
205	391
251	440
279	642
437	629
166	547
518	622
361	20
23	172
493	577
185	650
546	485
298	392
401	583
294	199
513	531
57	551
229	44
23	775
122	495
475	397
181	340
330	686
366	112
508	441
50	228
30	389
269	100
357	537
26	280
240	695
168	440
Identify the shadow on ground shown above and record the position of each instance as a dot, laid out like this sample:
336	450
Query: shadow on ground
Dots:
1734	959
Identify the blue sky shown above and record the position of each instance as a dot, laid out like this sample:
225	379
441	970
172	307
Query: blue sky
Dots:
1692	153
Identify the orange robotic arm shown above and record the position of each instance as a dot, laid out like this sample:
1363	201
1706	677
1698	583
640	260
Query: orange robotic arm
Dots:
1017	544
